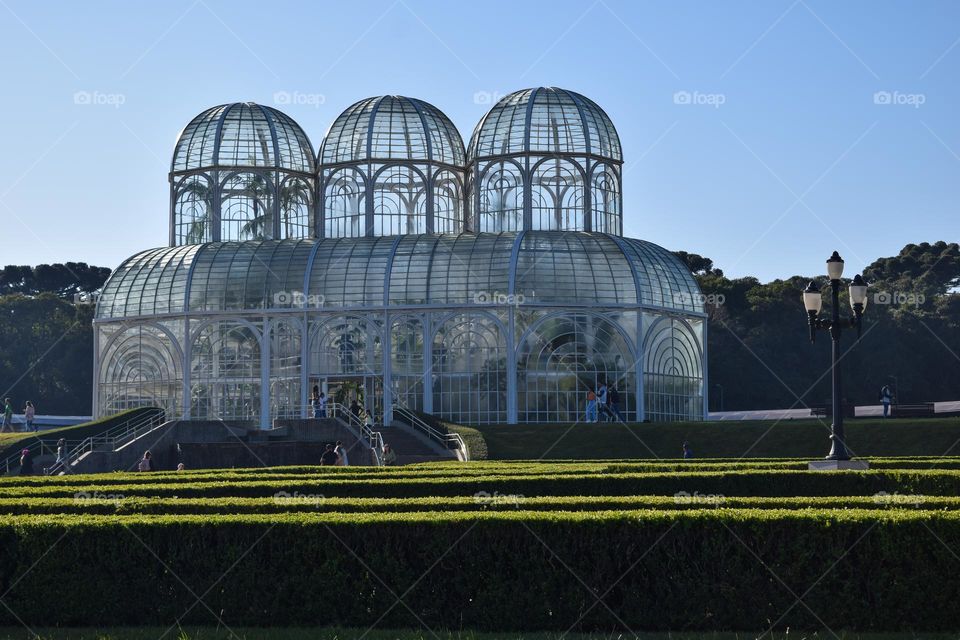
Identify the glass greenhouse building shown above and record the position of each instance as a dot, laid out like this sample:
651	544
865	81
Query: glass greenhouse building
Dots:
486	284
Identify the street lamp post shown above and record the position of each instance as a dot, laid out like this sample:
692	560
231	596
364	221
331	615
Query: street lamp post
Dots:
813	302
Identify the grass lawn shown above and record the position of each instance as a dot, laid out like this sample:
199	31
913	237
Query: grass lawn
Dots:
787	439
176	633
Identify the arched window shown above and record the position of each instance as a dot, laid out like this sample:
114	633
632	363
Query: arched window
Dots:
469	370
193	210
225	372
399	201
346	345
564	357
296	206
345	204
556	196
246	207
447	203
141	368
672	372
501	198
605	199
406	363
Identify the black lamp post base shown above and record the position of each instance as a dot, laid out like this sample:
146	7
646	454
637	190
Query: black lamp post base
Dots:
838	465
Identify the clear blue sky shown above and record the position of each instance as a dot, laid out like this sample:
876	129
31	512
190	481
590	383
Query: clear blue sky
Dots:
798	160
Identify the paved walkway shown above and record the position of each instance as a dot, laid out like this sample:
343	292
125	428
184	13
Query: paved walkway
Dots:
865	411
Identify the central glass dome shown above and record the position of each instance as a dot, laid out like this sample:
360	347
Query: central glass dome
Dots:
391	165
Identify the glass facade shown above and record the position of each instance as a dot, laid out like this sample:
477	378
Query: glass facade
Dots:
509	327
486	285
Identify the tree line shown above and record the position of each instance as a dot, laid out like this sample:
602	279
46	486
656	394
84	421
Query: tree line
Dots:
760	356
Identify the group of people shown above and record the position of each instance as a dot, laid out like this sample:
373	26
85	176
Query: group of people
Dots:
26	460
147	464
603	404
335	456
29	413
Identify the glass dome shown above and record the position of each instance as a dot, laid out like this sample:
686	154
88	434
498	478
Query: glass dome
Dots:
391	165
545	159
243	134
241	171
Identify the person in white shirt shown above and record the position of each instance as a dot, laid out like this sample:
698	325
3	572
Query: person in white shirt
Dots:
341	452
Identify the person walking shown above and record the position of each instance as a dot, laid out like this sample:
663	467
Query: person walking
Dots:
61	462
341	452
26	462
613	401
329	458
29	413
591	406
389	456
7	416
146	463
687	451
602	409
886	397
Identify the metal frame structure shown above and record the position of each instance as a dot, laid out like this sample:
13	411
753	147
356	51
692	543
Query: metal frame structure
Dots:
413	301
242	171
391	165
473	327
545	159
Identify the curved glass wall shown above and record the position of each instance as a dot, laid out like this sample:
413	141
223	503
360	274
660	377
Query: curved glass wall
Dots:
545	159
391	165
510	327
241	171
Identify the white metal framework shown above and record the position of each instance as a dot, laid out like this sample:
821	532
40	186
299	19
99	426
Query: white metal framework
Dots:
241	171
379	281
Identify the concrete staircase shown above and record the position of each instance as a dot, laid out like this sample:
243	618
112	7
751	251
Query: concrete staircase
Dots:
411	446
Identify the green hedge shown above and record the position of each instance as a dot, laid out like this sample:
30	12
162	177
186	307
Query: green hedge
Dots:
460	471
736	483
691	570
105	503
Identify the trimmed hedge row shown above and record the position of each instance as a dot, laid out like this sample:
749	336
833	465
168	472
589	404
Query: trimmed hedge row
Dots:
104	503
448	470
517	571
736	483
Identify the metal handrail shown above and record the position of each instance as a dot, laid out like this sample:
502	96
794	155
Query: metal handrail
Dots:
38	448
113	439
447	440
374	439
115	436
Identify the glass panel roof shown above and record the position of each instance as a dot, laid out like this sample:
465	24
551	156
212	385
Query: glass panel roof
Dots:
552	268
545	120
243	134
392	128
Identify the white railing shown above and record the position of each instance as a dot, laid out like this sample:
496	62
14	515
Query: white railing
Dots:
37	449
372	438
445	440
115	437
112	440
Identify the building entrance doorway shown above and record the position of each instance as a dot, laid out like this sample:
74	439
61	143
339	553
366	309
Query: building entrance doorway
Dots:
366	391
